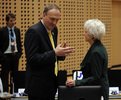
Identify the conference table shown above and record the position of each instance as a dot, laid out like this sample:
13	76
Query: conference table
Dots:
110	98
22	98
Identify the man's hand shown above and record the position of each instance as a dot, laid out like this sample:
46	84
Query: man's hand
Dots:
63	50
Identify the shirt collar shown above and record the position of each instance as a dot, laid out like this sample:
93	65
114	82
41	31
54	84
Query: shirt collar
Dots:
10	28
44	25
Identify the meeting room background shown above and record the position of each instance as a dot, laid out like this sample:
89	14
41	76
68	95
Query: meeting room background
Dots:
73	15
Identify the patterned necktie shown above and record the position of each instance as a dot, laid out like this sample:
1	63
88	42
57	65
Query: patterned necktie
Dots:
52	42
12	41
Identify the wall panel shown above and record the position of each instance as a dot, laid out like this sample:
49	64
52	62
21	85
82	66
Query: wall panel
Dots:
116	32
73	15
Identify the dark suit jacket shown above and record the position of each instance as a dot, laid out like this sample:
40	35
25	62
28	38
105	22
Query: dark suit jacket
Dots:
94	68
4	41
40	77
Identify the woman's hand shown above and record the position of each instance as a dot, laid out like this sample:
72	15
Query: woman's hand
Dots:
70	82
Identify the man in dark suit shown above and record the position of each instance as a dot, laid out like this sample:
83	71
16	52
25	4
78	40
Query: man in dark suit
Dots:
10	49
41	80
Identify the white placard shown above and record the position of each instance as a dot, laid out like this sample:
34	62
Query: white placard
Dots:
1	86
113	90
21	90
77	75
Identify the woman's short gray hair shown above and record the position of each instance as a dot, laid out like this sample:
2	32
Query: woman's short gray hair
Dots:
95	27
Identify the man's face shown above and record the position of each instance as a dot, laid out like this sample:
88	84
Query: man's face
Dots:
51	18
11	22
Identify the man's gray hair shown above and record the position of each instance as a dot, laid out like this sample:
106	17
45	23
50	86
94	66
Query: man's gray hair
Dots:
49	7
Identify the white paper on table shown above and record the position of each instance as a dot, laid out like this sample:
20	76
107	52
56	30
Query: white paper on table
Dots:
113	90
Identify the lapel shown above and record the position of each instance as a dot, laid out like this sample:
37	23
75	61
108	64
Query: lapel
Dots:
6	33
45	34
15	30
54	38
89	52
48	40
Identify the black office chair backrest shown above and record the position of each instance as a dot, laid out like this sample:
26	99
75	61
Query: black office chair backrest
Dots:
18	80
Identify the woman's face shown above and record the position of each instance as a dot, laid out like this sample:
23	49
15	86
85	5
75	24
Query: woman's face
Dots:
88	38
